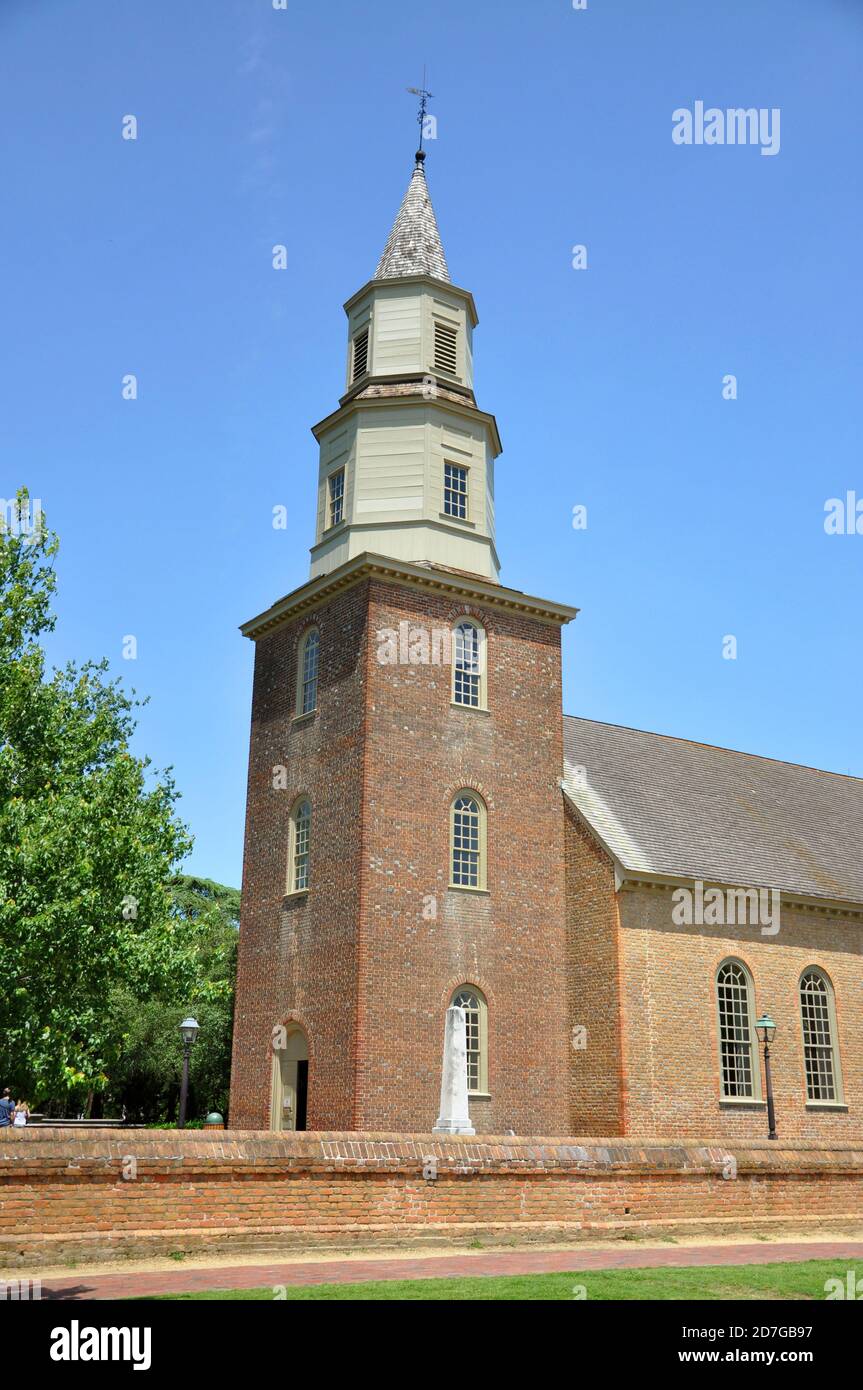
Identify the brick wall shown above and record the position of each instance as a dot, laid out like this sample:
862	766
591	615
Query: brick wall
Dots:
298	955
645	990
508	941
368	959
593	985
64	1196
671	1042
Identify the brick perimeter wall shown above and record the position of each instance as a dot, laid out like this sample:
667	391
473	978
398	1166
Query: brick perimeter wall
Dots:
63	1196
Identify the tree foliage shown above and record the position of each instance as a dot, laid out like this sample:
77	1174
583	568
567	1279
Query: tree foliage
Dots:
89	841
146	1081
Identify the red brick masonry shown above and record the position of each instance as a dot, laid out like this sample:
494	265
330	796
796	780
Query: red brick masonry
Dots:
64	1196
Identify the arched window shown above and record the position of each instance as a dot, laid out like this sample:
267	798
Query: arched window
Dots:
467	841
308	657
469	998
468	665
738	1060
298	849
820	1043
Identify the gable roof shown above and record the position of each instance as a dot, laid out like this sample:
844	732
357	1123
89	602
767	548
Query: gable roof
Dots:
414	246
665	806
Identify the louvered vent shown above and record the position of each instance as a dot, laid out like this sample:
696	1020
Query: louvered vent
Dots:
445	348
361	355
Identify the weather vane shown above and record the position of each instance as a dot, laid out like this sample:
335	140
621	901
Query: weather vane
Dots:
424	95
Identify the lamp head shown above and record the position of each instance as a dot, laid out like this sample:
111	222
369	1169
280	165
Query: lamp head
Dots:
766	1028
189	1030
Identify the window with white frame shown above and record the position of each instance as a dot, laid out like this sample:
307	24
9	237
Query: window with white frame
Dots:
468	665
467	841
301	833
455	491
820	1056
469	998
740	1077
307	672
336	499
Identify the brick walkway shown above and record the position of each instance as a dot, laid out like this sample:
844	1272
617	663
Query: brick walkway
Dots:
130	1284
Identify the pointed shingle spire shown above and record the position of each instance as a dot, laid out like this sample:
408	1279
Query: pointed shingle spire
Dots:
414	245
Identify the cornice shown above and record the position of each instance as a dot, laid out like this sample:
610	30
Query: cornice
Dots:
368	566
464	412
409	379
401	280
829	907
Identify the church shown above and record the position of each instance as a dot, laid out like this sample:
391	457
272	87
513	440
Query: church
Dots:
625	917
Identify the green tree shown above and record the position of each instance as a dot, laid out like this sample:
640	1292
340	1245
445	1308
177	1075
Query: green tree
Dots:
88	843
146	1080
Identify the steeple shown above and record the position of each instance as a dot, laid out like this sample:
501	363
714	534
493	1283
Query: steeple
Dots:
407	460
414	245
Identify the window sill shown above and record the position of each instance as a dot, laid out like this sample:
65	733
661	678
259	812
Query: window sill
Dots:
459	520
827	1105
304	718
472	709
336	526
465	888
735	1102
295	894
479	1095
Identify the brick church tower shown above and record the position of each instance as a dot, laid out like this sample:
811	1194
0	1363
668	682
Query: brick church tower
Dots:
404	833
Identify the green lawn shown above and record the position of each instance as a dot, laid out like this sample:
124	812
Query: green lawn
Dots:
716	1282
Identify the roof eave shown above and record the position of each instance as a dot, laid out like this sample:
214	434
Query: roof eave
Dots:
379	402
373	566
430	280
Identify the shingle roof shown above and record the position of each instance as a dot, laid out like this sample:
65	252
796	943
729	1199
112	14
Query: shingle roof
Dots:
666	806
414	246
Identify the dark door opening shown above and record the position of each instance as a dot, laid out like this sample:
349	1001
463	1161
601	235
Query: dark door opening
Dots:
302	1093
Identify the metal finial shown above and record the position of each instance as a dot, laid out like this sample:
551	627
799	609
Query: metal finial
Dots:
424	94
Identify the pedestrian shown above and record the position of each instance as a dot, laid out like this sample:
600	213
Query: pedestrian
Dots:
22	1114
7	1108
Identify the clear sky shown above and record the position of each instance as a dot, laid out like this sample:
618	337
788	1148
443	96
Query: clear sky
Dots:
259	126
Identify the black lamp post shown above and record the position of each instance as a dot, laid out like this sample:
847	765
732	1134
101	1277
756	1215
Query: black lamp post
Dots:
767	1032
189	1030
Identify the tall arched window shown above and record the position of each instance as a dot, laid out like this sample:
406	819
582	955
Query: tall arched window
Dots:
308	657
469	998
820	1039
468	665
299	847
738	1060
467	841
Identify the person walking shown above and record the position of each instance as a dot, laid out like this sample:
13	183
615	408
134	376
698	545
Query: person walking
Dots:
22	1114
7	1108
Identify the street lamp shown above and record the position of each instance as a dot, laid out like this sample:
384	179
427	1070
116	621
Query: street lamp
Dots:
767	1032
189	1030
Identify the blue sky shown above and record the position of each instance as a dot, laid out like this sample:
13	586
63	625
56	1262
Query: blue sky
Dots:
257	127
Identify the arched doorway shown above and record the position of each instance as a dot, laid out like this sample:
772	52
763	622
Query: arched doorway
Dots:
291	1082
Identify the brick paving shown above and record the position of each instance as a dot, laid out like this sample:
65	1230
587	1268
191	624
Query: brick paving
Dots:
129	1284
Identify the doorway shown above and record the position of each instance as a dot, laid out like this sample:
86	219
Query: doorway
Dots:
291	1083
